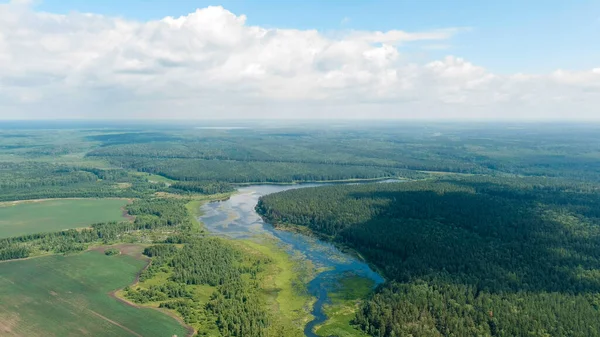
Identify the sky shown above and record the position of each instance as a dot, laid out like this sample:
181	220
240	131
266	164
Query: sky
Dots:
395	59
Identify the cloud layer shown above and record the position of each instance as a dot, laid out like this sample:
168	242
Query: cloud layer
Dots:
211	64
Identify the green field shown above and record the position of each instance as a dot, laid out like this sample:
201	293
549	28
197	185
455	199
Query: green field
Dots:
69	296
28	217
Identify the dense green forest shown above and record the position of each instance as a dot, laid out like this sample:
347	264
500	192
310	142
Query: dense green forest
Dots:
259	172
40	180
317	152
495	233
84	160
465	256
236	306
203	187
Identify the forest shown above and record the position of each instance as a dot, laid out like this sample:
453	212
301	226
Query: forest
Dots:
315	152
464	255
493	230
40	180
71	162
236	306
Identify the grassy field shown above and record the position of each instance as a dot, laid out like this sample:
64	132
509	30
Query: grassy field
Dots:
28	217
344	303
284	281
69	296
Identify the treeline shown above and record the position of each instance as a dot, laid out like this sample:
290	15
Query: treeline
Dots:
489	256
247	172
117	175
91	190
32	180
11	251
150	214
32	174
203	187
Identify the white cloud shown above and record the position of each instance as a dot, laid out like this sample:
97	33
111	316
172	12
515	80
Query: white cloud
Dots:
211	64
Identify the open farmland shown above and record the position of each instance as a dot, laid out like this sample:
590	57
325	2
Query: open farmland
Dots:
70	296
28	217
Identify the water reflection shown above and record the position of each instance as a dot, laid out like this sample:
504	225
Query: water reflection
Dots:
236	218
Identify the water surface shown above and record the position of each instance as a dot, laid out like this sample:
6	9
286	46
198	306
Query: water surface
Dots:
237	219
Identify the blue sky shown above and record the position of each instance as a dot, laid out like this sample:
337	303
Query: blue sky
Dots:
529	36
428	59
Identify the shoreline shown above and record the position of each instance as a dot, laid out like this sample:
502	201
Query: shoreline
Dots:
337	181
317	306
303	230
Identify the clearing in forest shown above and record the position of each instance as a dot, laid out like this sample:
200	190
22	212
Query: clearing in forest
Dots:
69	296
50	215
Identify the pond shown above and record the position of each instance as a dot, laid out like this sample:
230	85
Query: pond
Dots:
237	219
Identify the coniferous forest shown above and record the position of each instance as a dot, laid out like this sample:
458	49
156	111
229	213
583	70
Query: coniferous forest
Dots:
464	256
486	230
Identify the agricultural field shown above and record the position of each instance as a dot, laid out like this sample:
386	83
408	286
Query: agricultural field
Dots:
513	196
71	296
29	217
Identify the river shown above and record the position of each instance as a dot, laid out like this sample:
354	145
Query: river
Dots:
236	218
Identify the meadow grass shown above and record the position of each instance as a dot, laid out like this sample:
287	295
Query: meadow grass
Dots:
51	215
154	178
345	300
282	282
69	296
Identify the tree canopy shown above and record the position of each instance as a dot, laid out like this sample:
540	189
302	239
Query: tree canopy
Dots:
465	256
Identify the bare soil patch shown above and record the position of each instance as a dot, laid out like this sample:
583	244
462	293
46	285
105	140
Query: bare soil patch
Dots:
131	249
8	325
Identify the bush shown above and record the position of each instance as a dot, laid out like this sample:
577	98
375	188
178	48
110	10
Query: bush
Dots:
112	251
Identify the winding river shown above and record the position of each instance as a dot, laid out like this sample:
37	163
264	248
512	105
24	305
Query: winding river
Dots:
237	219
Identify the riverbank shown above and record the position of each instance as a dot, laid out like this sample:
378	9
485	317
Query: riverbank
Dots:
303	230
284	284
236	218
340	181
194	207
344	302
